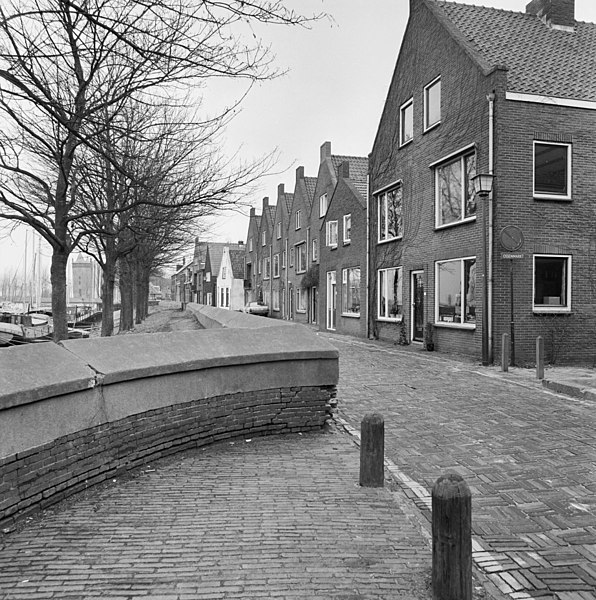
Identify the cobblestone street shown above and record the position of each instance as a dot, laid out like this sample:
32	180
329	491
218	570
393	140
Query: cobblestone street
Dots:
528	455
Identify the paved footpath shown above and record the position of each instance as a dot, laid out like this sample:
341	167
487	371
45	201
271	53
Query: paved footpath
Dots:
278	517
528	455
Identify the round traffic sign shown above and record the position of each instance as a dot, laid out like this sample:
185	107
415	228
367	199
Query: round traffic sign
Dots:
511	238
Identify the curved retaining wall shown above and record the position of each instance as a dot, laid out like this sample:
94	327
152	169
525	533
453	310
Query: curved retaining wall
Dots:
76	413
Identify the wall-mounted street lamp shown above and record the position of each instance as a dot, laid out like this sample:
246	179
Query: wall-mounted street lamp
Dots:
483	186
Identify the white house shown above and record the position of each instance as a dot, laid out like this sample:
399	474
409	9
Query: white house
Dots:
230	279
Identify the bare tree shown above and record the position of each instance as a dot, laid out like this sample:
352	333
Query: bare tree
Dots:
65	64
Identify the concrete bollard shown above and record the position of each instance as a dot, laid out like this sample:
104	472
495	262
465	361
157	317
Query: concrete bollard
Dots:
372	451
505	353
539	357
452	538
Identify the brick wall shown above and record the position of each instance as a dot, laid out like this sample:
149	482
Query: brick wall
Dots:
41	476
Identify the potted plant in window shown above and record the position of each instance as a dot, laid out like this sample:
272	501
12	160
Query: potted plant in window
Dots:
429	342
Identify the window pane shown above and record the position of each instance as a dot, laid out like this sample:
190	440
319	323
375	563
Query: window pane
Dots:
550	175
470	200
433	104
394	213
351	291
382	216
450	192
450	292
382	295
407	123
395	280
470	289
550	281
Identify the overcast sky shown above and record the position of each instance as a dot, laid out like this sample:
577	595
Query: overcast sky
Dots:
338	74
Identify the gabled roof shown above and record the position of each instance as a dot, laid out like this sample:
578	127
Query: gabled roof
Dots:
539	60
237	260
215	251
358	170
310	183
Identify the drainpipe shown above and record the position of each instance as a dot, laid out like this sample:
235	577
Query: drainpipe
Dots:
366	304
491	167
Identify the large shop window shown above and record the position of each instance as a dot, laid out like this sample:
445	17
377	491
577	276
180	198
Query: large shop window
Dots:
389	206
552	283
552	170
350	288
390	294
456	292
455	200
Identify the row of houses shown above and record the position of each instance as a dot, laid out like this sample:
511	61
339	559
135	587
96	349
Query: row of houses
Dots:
405	242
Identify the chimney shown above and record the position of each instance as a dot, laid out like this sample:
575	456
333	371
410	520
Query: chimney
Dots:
265	204
299	173
241	242
325	151
252	211
280	190
559	14
344	170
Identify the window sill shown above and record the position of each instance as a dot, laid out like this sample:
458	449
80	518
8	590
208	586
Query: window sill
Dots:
406	143
393	239
398	319
431	127
447	325
351	315
347	242
302	312
555	197
549	310
455	223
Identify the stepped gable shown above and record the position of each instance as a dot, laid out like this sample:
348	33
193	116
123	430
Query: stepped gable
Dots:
540	58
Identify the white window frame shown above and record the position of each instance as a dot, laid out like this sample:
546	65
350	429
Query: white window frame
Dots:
347	230
267	267
400	317
461	158
315	250
208	277
462	293
331	234
345	284
544	195
283	259
264	238
428	126
301	251
298	220
292	256
555	308
323	205
276	265
301	300
279	230
250	244
383	209
409	104
275	300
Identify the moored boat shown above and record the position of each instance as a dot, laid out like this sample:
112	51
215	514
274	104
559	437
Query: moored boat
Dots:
18	328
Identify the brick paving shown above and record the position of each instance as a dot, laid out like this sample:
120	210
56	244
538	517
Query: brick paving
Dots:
279	517
528	455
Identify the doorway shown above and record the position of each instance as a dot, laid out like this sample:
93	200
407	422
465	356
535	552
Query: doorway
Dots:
331	299
417	293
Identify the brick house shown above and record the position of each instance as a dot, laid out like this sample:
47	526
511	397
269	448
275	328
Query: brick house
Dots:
263	253
251	258
343	268
484	90
300	299
279	253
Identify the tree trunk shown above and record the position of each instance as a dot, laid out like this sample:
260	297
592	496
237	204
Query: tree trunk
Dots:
58	278
139	295
107	296
126	295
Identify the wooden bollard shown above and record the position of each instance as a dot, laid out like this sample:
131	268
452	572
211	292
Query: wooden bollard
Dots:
539	357
372	451
505	353
452	538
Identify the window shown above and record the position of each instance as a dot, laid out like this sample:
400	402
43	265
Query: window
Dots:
298	218
300	300
283	259
264	238
390	288
250	244
322	205
331	234
315	250
350	290
276	265
389	205
275	300
406	122
454	190
208	276
301	257
292	256
456	292
432	104
279	230
552	283
266	267
223	272
347	229
552	170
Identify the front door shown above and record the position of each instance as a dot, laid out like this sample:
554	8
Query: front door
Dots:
331	299
417	318
313	304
